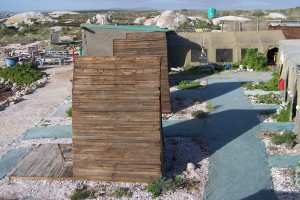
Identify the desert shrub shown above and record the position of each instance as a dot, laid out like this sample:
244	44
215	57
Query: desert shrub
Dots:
270	98
271	85
7	32
209	106
199	114
178	181
122	192
185	85
69	112
255	60
287	138
79	194
21	74
158	186
283	113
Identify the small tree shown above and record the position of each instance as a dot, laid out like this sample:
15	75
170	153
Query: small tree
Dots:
254	59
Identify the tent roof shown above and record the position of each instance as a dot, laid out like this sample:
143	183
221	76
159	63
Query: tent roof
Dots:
248	39
126	27
290	51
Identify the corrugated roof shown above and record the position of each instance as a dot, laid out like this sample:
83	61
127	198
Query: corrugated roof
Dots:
126	27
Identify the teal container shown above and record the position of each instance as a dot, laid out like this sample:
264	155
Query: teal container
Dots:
211	12
80	51
11	61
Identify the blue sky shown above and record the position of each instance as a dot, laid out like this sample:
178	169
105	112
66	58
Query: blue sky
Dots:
29	5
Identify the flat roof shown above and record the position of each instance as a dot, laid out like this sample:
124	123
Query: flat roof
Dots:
126	27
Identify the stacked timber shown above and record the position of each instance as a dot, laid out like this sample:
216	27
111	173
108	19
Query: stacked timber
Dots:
148	43
117	118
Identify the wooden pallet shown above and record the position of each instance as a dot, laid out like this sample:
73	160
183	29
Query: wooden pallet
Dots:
46	162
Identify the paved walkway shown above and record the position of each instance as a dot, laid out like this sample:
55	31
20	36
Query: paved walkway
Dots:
238	163
239	166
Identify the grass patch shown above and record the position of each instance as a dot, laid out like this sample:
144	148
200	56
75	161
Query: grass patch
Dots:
199	114
185	85
69	112
79	194
287	138
158	186
270	98
122	192
161	185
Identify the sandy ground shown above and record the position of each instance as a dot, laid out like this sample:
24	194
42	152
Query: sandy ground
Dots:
16	119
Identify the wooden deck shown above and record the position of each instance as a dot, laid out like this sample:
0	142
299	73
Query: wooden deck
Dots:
46	162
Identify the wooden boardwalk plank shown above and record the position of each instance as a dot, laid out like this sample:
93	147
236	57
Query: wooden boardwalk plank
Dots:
45	162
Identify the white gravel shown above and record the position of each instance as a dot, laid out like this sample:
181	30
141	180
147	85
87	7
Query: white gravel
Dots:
178	152
273	149
283	184
16	119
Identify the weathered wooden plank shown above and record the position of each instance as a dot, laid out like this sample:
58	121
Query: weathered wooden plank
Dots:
44	162
116	118
143	45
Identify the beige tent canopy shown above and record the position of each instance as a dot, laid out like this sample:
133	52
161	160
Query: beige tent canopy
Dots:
220	46
289	62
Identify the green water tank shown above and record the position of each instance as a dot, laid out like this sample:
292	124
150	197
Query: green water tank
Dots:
211	12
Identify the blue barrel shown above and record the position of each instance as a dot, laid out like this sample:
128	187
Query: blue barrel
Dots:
211	12
11	61
228	66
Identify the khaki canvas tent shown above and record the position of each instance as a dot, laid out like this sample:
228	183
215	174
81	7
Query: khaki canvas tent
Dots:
219	46
289	62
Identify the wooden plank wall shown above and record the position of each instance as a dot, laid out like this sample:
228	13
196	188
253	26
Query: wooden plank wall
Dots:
117	118
148	43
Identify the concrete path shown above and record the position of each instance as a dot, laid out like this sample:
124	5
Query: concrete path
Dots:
238	162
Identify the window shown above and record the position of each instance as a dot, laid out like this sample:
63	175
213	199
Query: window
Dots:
196	53
224	55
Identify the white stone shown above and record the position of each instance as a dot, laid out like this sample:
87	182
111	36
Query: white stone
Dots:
190	167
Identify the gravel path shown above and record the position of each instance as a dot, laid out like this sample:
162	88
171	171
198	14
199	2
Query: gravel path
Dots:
16	119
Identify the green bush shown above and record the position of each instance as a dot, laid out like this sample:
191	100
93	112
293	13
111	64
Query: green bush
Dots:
158	186
7	32
185	85
199	114
69	112
287	137
122	192
21	74
209	106
255	60
178	181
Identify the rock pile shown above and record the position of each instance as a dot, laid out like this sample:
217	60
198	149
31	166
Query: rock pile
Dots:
12	93
276	16
100	19
27	18
168	19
